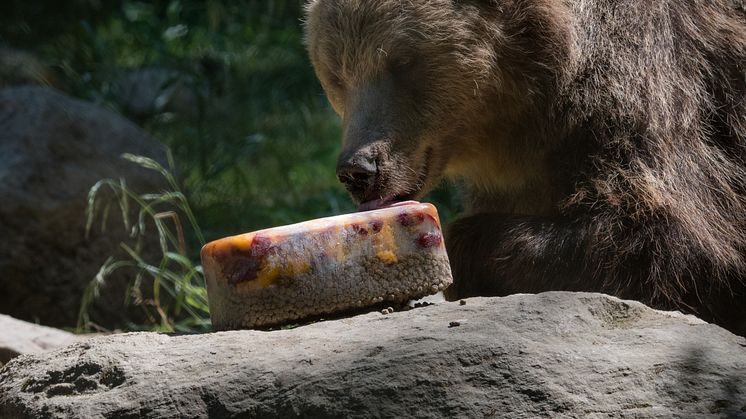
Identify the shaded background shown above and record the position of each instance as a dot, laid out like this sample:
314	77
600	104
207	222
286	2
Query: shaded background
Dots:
236	100
225	85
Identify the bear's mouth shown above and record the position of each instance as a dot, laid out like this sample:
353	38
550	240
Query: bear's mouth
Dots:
401	198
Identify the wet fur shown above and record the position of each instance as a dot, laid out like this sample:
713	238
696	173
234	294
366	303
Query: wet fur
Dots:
601	144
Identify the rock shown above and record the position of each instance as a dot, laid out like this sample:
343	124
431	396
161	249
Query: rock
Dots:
546	355
145	92
52	150
19	337
20	67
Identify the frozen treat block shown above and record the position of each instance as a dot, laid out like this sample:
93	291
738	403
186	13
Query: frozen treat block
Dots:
318	267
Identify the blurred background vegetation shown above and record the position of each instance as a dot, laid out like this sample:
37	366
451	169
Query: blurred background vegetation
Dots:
225	84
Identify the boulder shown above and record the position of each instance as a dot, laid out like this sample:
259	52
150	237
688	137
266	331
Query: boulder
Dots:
143	93
523	356
52	150
18	337
19	67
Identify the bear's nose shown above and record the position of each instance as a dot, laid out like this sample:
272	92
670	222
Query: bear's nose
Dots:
358	174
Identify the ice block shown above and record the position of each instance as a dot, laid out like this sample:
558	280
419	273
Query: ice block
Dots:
284	274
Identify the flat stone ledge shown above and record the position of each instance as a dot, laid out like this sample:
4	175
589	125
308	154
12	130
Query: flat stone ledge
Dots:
18	337
546	355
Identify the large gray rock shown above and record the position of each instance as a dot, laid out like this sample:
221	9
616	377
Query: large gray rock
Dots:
524	356
145	92
18	337
52	150
20	67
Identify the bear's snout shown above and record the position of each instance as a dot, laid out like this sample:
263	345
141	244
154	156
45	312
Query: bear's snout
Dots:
358	173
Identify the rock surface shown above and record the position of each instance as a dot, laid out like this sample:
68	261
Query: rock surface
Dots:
20	67
524	356
18	337
52	150
145	92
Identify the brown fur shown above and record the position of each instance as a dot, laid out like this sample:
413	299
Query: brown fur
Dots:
601	144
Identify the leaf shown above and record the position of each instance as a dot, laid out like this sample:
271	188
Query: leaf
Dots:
90	209
145	162
182	260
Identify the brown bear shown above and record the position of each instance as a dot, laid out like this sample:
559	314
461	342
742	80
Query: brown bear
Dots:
601	145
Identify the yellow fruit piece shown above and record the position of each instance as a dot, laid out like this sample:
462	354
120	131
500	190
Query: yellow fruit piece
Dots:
269	274
242	242
387	256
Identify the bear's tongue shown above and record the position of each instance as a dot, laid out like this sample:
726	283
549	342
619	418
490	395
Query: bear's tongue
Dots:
383	203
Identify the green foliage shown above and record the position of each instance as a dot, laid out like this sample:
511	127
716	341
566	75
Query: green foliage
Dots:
185	306
260	150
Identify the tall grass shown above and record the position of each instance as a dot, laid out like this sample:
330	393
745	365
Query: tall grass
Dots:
173	273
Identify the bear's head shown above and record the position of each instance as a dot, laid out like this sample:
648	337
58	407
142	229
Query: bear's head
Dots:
427	88
406	77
